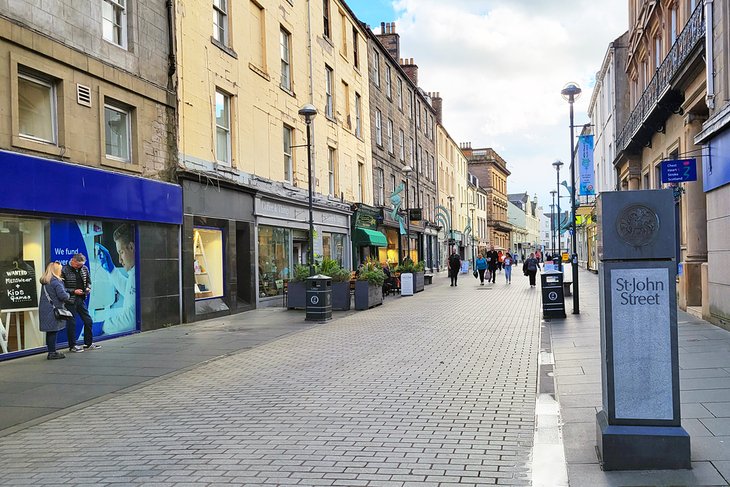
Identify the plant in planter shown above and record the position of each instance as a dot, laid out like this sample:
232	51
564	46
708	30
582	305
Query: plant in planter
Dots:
340	284
369	286
408	282
419	272
296	290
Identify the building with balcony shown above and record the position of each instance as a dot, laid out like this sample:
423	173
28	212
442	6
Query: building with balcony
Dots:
87	138
667	89
492	172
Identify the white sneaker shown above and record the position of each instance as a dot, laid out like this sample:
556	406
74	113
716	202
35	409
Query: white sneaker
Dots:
93	346
76	349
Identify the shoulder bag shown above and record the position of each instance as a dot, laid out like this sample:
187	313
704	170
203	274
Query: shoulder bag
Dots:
59	313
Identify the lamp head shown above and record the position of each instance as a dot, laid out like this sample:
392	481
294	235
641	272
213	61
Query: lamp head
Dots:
571	92
450	197
407	169
308	112
557	164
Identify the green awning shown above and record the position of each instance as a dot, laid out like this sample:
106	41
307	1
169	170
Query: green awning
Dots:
365	237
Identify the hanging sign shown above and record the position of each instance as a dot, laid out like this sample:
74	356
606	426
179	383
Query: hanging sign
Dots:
17	285
679	171
587	175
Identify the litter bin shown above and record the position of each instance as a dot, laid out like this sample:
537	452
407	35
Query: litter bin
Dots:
319	298
553	300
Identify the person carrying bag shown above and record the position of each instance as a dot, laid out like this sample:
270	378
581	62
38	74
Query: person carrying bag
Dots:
53	316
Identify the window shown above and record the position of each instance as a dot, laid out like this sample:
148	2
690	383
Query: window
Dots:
114	21
117	132
358	111
410	101
258	39
376	68
355	47
673	26
418	114
288	161
343	23
326	17
285	44
328	109
274	264
657	52
412	152
400	94
220	21
379	184
378	127
390	136
392	183
361	181
331	158
402	143
222	128
208	262
388	82
346	97
37	108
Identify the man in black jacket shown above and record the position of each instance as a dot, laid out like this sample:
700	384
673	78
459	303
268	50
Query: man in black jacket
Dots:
77	280
492	261
454	267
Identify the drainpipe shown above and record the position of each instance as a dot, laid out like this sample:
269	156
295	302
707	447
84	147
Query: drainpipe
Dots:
709	61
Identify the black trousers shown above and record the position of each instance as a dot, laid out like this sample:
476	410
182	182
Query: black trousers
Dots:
51	341
78	308
454	274
532	277
493	274
481	274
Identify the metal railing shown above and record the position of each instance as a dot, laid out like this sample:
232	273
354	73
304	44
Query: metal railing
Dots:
692	34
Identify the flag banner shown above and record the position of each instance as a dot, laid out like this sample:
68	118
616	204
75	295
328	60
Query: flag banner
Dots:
586	174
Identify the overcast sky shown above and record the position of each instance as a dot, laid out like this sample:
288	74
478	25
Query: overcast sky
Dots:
500	66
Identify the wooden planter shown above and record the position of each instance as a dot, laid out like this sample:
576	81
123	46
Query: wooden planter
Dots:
296	295
341	296
367	295
418	281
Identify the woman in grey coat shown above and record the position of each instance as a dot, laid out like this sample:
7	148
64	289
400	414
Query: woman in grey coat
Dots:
53	295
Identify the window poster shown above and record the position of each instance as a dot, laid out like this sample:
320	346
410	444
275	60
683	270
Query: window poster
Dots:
109	248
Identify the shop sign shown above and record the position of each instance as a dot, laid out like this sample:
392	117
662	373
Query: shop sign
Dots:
416	214
17	285
679	171
366	220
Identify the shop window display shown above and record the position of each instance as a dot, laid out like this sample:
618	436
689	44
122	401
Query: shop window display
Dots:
274	260
208	262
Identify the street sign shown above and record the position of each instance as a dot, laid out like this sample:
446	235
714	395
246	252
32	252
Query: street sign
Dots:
679	171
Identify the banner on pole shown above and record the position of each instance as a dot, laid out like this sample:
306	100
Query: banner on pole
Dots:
586	174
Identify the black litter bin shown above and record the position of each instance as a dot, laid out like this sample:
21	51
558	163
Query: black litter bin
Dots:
319	298
553	300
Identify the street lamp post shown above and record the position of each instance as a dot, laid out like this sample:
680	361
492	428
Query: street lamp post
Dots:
570	93
407	171
557	165
308	112
552	221
451	223
473	254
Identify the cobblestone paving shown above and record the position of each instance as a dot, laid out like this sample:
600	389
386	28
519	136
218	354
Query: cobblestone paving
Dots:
434	389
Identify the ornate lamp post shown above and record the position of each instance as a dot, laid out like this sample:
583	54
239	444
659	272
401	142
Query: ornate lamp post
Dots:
308	112
407	170
557	165
571	92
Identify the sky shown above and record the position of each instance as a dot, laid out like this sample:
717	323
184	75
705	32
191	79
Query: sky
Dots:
499	67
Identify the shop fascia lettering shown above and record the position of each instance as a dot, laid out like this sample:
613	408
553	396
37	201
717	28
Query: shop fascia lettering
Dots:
639	291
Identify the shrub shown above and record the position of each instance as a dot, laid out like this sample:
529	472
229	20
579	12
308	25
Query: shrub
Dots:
331	268
372	273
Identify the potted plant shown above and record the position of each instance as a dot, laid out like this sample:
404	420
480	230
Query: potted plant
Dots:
340	284
369	286
296	289
419	270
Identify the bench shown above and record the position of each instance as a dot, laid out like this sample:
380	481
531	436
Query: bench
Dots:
427	279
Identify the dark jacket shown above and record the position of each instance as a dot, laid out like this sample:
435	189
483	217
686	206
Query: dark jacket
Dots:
530	262
73	280
492	259
58	295
454	262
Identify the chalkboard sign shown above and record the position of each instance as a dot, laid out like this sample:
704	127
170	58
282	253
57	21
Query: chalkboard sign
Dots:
17	285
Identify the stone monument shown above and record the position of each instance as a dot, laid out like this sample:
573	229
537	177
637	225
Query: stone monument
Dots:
639	427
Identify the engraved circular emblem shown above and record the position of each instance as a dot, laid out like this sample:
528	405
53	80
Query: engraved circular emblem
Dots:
314	300
637	225
552	296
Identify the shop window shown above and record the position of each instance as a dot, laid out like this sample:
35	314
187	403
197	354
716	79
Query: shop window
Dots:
274	260
208	262
37	108
117	132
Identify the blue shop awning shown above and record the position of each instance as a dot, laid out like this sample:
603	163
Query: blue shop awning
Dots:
365	237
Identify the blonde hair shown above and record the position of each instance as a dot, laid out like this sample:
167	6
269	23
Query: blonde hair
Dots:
53	269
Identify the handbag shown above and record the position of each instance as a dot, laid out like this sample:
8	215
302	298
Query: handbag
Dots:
59	313
476	274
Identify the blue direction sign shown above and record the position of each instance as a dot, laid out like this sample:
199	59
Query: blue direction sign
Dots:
679	171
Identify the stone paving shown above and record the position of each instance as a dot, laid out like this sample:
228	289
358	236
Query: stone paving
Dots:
434	389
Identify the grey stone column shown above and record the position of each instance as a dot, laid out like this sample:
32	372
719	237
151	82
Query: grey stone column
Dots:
634	173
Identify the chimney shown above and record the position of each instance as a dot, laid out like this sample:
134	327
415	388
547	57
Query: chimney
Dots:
466	149
389	39
411	69
437	104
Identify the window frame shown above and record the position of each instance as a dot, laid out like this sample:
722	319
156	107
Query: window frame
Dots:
331	170
116	5
355	47
327	27
402	140
400	94
227	98
378	128
376	68
329	105
220	13
48	83
110	104
388	82
358	115
288	143
285	64
389	134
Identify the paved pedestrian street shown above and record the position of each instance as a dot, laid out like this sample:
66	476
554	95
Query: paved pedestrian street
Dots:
434	389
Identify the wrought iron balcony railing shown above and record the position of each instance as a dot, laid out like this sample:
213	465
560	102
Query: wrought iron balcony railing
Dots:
692	34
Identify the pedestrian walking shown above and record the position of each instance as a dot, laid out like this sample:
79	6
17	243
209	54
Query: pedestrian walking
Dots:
530	268
492	259
507	264
54	296
77	280
454	267
500	259
481	264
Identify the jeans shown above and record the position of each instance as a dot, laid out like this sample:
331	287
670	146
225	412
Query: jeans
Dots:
51	341
481	275
78	308
508	273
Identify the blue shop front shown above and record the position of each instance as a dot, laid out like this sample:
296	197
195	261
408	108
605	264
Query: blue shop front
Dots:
127	227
